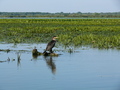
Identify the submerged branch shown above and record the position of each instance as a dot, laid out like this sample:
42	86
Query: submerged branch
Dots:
8	50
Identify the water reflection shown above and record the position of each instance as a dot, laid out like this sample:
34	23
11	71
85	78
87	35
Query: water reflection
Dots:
50	63
18	59
35	56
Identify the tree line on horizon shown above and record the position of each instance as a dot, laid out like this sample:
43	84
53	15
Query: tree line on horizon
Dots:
59	14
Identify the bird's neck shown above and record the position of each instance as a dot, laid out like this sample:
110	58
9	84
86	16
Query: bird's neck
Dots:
54	39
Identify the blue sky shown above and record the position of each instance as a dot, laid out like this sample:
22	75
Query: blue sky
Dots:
59	6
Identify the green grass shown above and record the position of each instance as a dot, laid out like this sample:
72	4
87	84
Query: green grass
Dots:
98	33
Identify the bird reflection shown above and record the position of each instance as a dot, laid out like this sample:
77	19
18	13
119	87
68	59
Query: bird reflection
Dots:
50	63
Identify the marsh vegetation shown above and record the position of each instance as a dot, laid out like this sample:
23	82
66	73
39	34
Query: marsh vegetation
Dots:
97	33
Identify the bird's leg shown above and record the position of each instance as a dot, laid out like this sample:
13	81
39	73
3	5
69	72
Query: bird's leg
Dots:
51	51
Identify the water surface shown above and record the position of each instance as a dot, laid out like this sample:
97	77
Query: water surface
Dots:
84	69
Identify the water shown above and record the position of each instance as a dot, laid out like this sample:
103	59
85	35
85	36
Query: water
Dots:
85	69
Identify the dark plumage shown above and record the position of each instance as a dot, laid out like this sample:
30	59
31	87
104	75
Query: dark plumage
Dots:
50	45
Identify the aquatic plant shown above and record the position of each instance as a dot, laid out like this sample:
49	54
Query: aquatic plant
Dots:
100	33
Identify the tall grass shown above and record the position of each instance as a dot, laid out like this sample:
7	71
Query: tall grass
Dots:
100	33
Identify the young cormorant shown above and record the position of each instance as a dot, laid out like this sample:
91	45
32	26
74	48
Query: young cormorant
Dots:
50	45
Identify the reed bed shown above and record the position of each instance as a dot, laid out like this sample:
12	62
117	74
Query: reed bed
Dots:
97	33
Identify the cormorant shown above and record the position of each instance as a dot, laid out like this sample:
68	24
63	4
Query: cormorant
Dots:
50	45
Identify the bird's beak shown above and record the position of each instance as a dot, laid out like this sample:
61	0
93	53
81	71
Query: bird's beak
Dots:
56	37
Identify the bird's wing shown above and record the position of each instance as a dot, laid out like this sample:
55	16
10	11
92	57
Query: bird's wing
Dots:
50	45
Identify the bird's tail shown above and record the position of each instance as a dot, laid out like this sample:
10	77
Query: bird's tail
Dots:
44	52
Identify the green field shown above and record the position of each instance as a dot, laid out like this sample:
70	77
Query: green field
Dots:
97	33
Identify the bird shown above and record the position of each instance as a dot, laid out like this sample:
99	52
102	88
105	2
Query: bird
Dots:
50	45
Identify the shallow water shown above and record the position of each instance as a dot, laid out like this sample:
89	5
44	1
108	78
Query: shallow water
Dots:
84	69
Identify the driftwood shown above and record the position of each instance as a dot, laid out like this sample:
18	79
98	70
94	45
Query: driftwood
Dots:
35	52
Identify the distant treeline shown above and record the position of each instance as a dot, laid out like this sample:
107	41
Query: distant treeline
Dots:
60	14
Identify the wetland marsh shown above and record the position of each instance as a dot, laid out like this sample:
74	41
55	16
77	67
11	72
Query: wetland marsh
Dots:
88	60
98	33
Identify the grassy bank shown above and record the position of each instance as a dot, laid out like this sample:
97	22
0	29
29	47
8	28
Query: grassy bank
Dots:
100	33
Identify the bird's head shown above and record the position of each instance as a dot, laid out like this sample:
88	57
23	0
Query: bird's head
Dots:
54	38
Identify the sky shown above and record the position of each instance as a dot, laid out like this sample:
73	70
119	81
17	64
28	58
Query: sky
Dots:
67	6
